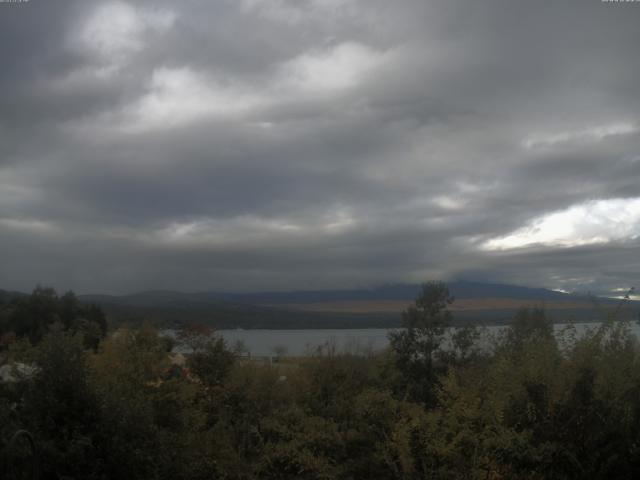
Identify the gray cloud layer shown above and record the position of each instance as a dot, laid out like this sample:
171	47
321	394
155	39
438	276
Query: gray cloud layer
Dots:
254	144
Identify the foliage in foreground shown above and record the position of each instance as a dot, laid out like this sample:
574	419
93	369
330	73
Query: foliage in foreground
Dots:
432	406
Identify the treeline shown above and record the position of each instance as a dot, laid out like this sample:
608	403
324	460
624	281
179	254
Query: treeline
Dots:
432	406
31	316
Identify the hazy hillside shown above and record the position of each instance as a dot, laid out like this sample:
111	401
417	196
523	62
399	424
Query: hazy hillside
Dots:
358	308
399	292
6	295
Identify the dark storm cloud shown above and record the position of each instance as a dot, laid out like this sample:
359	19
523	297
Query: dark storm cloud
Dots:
322	143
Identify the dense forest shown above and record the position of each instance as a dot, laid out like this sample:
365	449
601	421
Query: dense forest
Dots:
80	402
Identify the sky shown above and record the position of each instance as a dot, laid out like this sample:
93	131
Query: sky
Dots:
248	145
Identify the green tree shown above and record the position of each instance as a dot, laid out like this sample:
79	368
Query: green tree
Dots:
210	359
31	316
212	362
59	407
528	322
417	344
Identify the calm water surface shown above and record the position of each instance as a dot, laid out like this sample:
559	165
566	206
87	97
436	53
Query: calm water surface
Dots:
305	342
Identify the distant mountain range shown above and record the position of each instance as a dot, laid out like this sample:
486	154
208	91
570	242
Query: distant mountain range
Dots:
398	292
476	302
488	303
6	295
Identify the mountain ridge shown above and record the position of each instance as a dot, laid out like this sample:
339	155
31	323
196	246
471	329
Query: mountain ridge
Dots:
376	307
460	289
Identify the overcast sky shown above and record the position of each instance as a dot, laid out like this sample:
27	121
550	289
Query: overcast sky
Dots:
246	145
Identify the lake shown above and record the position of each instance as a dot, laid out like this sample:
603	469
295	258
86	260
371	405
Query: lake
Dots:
304	342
